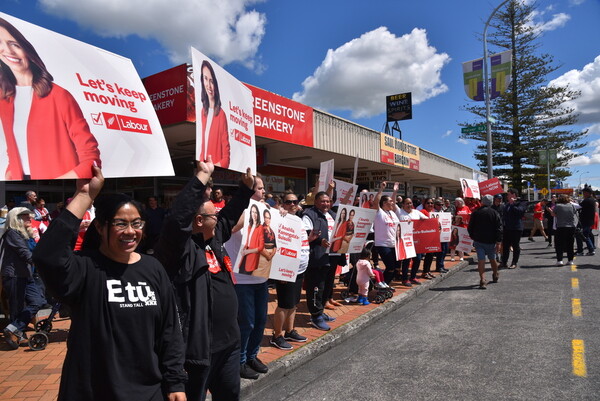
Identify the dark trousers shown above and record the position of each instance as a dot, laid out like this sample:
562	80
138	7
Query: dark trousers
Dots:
221	378
550	229
330	279
416	261
25	299
439	259
388	256
511	238
586	237
253	301
563	241
315	278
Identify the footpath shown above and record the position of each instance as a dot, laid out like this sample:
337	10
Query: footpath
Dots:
28	375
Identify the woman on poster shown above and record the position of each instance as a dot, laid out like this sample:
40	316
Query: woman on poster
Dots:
215	134
340	232
349	232
254	243
45	133
269	248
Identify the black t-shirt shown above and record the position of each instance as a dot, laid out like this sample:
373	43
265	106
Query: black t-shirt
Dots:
224	308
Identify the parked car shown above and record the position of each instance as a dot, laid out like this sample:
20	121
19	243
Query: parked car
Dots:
528	218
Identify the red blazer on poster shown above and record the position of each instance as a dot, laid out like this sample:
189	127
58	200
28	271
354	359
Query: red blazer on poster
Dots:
256	241
338	237
218	143
58	137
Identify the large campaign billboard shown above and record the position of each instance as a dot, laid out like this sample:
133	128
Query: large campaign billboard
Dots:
65	105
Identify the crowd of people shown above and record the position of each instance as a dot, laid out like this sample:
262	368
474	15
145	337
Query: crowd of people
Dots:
169	273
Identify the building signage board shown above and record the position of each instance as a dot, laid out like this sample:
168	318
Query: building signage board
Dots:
396	152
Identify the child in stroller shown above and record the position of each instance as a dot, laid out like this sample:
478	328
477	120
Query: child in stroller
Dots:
363	275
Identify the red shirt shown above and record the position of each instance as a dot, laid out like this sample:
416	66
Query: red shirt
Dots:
538	211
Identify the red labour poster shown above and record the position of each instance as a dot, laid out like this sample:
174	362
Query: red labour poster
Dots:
426	235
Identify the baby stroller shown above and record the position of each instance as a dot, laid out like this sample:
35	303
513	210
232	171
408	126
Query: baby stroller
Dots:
39	340
381	293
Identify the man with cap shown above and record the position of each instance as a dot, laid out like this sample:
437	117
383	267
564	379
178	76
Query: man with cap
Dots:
485	228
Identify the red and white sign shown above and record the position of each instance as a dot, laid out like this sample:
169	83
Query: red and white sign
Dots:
282	119
405	245
168	91
224	116
96	110
445	220
426	234
464	241
352	226
344	192
470	188
271	244
492	186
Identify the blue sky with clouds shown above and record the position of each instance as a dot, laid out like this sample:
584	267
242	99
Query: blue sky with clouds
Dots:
343	56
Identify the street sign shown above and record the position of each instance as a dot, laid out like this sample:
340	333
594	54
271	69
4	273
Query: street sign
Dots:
545	154
473	128
544	191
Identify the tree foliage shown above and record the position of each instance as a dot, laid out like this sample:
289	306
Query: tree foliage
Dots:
530	116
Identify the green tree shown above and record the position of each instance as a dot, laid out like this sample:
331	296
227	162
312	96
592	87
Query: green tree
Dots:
530	116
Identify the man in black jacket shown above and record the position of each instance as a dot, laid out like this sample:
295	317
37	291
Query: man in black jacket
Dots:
485	229
512	222
320	220
191	250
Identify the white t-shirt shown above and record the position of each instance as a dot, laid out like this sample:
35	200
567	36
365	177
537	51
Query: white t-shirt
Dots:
23	97
385	226
413	215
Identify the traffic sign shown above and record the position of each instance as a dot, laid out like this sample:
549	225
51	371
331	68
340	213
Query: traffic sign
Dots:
473	128
544	191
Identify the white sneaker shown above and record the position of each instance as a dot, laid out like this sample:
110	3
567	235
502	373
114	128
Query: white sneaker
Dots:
560	263
570	262
462	259
451	259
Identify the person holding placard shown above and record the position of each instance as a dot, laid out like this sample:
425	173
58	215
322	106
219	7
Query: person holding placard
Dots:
408	213
125	340
45	132
385	228
215	134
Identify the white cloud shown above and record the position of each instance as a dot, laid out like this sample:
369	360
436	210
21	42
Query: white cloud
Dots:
577	2
223	29
463	141
593	158
588	82
447	134
359	74
537	22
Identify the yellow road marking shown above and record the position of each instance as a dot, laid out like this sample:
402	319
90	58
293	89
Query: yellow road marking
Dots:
575	282
573	268
576	307
579	368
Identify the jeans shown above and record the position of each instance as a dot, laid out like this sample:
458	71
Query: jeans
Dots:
511	238
252	317
24	298
588	237
388	256
221	378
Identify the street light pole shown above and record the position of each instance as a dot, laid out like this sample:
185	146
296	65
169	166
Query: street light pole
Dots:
486	91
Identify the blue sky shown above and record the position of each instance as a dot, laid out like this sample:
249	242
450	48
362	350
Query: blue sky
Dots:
343	56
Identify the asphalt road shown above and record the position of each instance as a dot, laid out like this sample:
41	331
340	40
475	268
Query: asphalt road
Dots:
512	341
